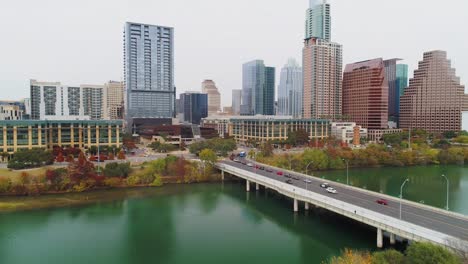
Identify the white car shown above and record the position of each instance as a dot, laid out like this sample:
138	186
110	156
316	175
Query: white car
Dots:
307	181
331	190
250	164
236	160
324	185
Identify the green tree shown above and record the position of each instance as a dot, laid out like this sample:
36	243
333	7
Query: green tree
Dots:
390	256
30	158
318	158
393	139
208	156
426	253
298	138
115	169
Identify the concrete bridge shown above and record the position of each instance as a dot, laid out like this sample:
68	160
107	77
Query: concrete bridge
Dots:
418	222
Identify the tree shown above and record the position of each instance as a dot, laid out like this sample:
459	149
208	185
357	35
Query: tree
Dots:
81	169
115	169
318	158
393	139
266	149
352	257
121	155
111	156
298	138
208	156
30	158
427	253
390	256
60	157
4	156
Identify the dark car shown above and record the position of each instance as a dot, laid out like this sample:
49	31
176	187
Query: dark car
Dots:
382	201
325	185
244	163
261	168
287	175
296	178
268	170
289	182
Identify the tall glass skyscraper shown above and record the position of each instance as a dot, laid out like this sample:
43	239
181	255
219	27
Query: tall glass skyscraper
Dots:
290	90
318	20
195	106
401	84
258	89
149	72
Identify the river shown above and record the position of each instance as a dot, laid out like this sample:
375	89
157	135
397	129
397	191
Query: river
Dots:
208	223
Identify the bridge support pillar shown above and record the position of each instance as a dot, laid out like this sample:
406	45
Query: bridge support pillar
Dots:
296	208
379	238
247	186
257	186
222	175
392	239
306	206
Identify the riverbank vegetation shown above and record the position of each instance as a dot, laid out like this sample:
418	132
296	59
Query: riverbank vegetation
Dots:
220	146
82	175
416	253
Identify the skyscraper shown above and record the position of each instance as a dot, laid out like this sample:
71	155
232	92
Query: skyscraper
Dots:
195	106
114	100
236	101
258	89
322	63
93	101
149	72
318	20
365	94
322	70
434	99
290	90
401	85
214	97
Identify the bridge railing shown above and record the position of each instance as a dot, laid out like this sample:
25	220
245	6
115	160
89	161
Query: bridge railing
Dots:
391	224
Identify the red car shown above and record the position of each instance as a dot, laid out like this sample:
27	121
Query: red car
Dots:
280	173
382	201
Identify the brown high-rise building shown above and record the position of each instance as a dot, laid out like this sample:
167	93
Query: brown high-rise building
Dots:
214	97
365	94
435	99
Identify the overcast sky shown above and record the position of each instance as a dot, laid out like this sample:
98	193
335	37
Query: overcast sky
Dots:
81	41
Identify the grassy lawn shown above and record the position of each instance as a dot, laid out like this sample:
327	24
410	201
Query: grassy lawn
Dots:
16	173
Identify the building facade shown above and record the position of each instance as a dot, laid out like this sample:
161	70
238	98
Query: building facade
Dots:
219	123
270	128
195	106
365	94
290	90
435	99
258	89
10	112
322	70
54	101
401	85
348	132
114	100
318	20
214	97
93	101
28	134
236	101
149	72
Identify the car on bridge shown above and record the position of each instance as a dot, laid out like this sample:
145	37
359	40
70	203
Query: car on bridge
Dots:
382	201
324	185
289	182
279	173
237	160
295	178
268	170
250	164
331	190
307	181
287	175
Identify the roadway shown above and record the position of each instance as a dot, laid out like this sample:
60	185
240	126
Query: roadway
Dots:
425	216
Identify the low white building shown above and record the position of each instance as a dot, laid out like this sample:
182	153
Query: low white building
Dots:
346	132
10	112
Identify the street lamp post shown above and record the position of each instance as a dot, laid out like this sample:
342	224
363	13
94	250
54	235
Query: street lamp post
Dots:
347	171
401	193
448	184
307	168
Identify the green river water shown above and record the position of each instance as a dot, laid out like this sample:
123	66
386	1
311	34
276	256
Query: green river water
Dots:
210	223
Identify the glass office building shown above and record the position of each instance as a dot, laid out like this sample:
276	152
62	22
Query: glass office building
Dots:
258	89
195	106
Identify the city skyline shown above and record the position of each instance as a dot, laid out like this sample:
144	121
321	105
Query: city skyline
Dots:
106	56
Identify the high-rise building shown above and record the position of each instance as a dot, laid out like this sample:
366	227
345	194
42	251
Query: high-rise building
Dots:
390	75
434	99
214	97
401	84
54	101
236	101
365	94
258	89
114	100
322	70
318	20
290	90
195	106
10	112
322	62
149	72
93	101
